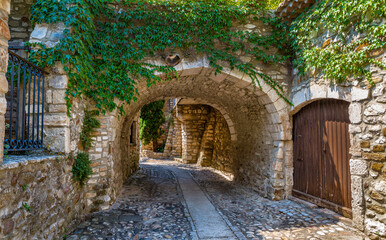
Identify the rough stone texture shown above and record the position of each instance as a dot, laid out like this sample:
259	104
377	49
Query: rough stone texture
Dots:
257	123
59	129
149	207
367	138
147	150
206	139
19	21
4	35
54	199
173	146
194	120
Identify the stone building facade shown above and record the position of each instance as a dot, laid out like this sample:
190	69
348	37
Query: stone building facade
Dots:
251	130
200	135
367	139
19	22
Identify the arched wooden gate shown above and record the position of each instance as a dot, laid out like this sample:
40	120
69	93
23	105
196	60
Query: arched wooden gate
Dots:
321	155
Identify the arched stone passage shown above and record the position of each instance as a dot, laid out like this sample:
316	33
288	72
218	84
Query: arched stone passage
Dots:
257	121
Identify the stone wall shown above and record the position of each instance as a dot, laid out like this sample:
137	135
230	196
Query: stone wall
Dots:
194	119
45	185
173	146
259	148
222	158
4	37
147	150
367	112
257	119
19	21
202	134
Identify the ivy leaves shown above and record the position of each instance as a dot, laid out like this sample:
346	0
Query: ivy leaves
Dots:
356	31
107	42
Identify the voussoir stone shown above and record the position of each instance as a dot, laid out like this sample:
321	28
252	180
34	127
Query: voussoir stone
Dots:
358	167
359	94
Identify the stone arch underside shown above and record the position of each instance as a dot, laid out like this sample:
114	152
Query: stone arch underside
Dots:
259	131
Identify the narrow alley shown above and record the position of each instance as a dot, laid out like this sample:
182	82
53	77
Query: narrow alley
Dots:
169	200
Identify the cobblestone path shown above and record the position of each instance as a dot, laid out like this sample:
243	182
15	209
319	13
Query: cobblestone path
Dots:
151	206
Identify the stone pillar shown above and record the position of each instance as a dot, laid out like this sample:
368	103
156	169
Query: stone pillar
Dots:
4	37
193	119
177	139
56	122
190	142
207	144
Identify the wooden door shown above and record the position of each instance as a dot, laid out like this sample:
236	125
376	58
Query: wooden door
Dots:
321	155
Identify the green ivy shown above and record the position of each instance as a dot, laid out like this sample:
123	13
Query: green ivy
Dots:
26	207
105	48
81	169
356	29
151	119
273	4
90	124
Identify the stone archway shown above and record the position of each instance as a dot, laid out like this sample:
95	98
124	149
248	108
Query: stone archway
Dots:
259	131
258	121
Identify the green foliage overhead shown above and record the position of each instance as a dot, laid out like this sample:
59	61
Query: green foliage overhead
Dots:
345	56
105	50
273	4
90	124
81	169
151	120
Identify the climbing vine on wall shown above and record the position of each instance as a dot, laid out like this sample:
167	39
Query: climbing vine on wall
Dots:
81	168
90	124
107	41
356	33
151	119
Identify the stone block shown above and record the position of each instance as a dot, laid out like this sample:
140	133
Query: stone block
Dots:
365	144
376	196
355	113
379	186
317	91
58	81
39	32
333	92
357	201
5	5
8	226
58	96
57	108
374	156
359	94
3	84
56	120
377	166
48	96
2	132
219	77
300	97
4	30
358	167
3	60
375	227
378	148
375	109
377	208
3	105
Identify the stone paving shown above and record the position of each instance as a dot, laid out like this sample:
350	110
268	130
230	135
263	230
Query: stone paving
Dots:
148	208
151	206
260	218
